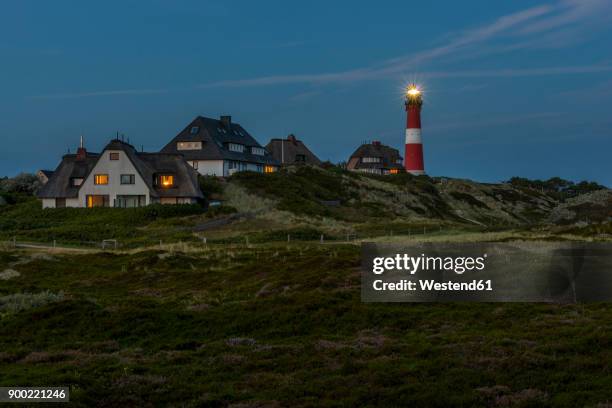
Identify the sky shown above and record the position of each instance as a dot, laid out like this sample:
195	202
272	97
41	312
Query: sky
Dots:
519	88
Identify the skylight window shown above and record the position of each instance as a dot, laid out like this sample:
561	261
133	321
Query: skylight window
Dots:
195	130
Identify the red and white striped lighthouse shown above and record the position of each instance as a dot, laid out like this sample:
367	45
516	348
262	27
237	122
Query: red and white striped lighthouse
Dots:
413	158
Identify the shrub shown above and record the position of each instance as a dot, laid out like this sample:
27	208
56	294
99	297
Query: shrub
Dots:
18	302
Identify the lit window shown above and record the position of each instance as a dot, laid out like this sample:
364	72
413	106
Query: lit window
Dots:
394	171
128	179
101	179
97	201
166	180
195	130
189	146
269	169
114	156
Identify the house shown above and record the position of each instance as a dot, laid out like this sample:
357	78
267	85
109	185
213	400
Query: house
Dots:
376	158
120	177
44	176
220	148
291	151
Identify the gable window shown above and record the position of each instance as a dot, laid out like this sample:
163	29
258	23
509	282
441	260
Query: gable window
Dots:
370	159
189	146
165	180
76	181
258	151
101	179
235	147
114	156
195	130
128	179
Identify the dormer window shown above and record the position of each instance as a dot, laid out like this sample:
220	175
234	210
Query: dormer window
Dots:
76	181
235	147
165	180
195	130
258	151
370	160
189	146
114	156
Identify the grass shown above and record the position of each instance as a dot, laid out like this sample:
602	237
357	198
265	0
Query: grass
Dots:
283	324
27	221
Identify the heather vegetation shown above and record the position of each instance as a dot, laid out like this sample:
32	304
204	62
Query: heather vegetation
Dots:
281	325
243	305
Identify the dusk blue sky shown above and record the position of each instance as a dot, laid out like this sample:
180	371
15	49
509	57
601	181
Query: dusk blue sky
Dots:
512	88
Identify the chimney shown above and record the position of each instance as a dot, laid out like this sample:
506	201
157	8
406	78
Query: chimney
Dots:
81	151
227	121
376	143
292	138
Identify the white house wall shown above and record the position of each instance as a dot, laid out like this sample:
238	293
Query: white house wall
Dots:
114	169
70	203
211	168
48	203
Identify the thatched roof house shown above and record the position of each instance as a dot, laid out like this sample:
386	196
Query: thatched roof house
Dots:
120	176
376	158
292	151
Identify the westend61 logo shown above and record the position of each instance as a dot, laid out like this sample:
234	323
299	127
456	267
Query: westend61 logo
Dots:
486	272
410	264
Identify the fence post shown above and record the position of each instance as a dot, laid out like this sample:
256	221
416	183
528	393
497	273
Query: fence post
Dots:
247	240
14	242
288	238
54	244
204	240
321	238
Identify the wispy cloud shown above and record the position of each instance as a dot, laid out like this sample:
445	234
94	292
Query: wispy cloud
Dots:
518	72
541	26
100	93
484	122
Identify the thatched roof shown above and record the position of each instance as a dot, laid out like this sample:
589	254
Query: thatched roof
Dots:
148	165
389	157
215	134
290	150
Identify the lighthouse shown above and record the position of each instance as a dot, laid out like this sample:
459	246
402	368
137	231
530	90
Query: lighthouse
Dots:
413	158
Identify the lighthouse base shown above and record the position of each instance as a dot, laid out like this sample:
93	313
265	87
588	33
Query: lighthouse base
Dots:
416	172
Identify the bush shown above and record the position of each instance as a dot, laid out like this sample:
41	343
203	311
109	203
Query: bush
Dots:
18	302
24	183
210	185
